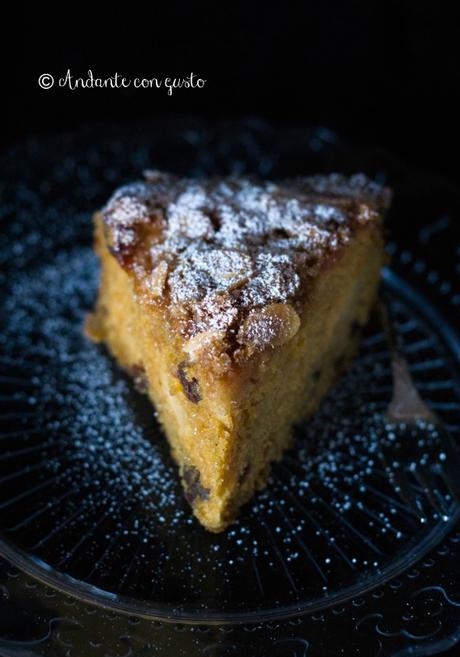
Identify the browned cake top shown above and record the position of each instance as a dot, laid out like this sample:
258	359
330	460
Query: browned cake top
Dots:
219	252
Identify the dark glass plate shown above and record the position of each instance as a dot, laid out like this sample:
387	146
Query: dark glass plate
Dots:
100	551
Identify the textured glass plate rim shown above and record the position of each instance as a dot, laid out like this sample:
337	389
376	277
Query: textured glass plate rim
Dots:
89	594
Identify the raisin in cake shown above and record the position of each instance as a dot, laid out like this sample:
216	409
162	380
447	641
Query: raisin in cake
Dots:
235	304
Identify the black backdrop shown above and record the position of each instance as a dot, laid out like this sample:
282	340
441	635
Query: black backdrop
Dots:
385	74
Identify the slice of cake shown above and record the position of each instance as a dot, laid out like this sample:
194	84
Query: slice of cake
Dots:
235	304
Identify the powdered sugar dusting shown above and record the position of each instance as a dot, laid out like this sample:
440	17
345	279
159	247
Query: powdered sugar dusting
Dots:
276	280
127	209
203	268
256	242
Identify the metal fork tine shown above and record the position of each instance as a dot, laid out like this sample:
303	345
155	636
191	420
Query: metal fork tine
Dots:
405	410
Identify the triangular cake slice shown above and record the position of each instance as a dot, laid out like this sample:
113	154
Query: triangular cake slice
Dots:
235	304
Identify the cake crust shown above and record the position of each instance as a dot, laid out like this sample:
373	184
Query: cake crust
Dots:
217	254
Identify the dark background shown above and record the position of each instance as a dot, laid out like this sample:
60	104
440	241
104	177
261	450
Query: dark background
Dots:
384	74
